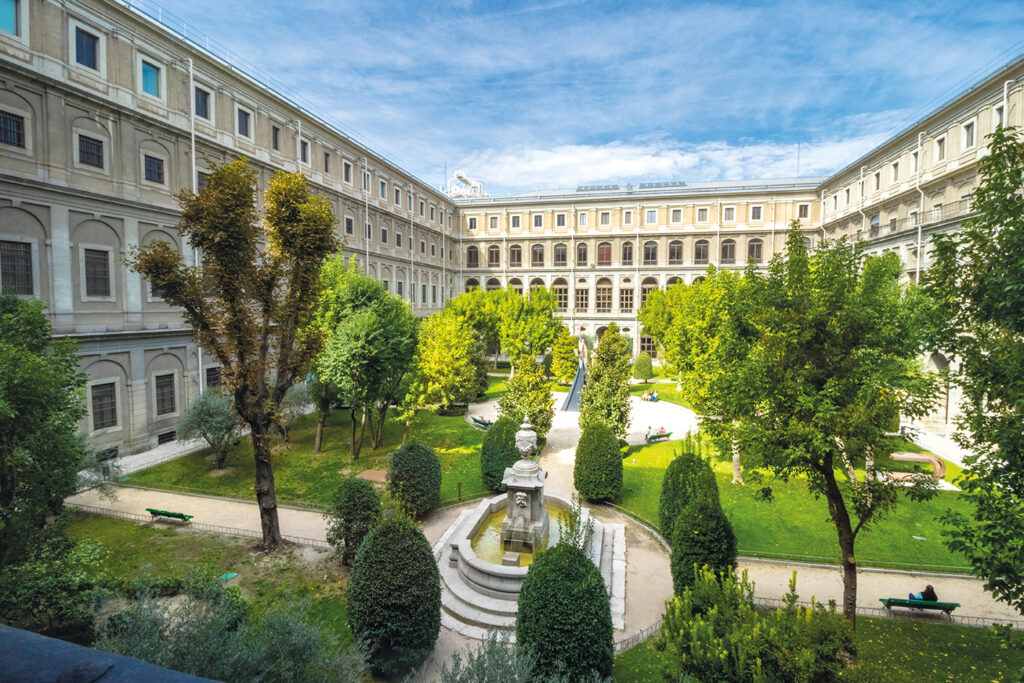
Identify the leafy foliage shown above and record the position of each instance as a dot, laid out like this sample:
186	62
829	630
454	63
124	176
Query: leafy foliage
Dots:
526	324
497	659
414	477
250	306
564	361
211	418
40	408
686	477
712	632
597	472
448	359
605	394
701	537
354	510
498	451
564	615
643	368
529	396
977	282
394	597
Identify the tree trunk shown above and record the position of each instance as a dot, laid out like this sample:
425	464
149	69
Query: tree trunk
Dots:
356	442
408	424
367	420
266	498
737	470
382	415
323	410
844	529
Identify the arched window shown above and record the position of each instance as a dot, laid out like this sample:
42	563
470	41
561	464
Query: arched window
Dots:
493	256
581	254
728	251
700	252
515	256
599	332
674	280
604	254
646	287
537	256
650	253
536	283
675	253
472	257
603	295
698	280
808	244
627	254
493	284
471	284
560	288
561	254
516	284
754	248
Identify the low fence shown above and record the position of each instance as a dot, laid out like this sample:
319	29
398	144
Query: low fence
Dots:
632	641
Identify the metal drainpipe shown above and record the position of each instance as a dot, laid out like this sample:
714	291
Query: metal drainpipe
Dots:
1006	102
718	234
920	214
195	189
773	229
860	200
366	208
572	279
412	253
444	264
638	288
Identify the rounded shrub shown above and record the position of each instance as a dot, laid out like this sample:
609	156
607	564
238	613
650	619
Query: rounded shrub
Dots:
597	473
686	475
643	368
702	536
394	597
565	617
354	509
414	478
498	451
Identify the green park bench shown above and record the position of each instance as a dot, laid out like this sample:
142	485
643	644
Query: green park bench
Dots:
655	437
944	607
173	515
480	422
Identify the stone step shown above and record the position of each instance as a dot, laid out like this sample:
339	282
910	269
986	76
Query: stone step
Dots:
454	582
472	615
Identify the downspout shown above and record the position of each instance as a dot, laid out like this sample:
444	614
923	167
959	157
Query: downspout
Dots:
920	210
572	280
195	189
366	209
412	254
1006	102
718	234
770	256
860	200
638	288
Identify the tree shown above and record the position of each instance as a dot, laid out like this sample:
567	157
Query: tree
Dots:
564	361
354	509
498	452
597	471
977	282
835	359
480	311
40	409
605	394
447	358
250	307
657	314
686	476
713	632
414	478
642	367
211	418
394	597
528	396
701	537
564	615
526	324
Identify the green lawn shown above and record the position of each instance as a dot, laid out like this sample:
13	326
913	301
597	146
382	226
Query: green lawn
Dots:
302	478
666	392
268	582
890	650
795	524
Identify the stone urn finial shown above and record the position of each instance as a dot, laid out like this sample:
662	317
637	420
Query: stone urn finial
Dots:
526	439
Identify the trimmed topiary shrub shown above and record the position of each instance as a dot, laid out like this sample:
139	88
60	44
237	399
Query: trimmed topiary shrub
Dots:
355	508
686	474
498	451
597	473
414	478
564	615
394	597
642	367
702	536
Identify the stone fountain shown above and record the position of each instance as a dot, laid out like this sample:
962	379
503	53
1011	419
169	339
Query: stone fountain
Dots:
526	524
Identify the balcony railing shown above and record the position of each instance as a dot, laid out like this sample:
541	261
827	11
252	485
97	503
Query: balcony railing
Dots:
942	213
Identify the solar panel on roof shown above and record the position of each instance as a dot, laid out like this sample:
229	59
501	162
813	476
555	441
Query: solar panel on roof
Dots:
596	188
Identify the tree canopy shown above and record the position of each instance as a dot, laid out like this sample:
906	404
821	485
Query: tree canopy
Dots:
529	396
605	394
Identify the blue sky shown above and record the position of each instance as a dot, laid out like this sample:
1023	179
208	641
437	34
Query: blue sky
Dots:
550	93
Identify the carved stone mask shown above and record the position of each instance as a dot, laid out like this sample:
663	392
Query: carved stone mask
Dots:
522	499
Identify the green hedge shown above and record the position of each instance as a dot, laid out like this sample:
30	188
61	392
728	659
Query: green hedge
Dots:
354	509
498	451
702	536
564	615
597	473
414	478
394	597
685	475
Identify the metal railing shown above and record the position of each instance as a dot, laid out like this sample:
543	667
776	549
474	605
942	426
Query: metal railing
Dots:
945	212
632	641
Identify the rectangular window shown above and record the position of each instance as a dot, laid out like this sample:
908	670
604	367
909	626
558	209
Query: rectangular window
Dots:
677	215
604	254
423	247
835	201
398	240
244	121
940	148
398	197
212	377
538	221
627	254
150	79
582	298
432	213
202	104
201	180
9	16
895	171
605	218
87	47
626	300
627	218
12	129
408	201
422	207
303	151
368	231
846	196
729	214
516	221
755	211
90	151
878	180
561	297
383	235
603	299
433	250
97	272
652	217
349	225
423	294
581	220
164	394
913	161
154	169
275	138
702	215
346	172
104	405
997	116
366	181
433	294
968	135
803	211
382	190
472	222
327	162
559	220
400	288
494	222
16	268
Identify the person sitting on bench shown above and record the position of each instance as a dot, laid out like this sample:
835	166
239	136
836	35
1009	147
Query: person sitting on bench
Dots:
645	396
661	430
927	594
647	436
654	395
